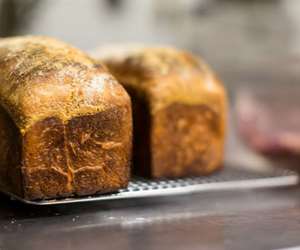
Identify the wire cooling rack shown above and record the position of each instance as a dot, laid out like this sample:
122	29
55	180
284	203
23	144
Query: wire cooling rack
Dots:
228	178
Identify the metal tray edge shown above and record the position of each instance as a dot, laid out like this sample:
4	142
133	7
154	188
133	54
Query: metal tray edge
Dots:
267	182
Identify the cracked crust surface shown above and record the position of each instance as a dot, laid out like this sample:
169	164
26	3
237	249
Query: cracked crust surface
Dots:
179	109
71	118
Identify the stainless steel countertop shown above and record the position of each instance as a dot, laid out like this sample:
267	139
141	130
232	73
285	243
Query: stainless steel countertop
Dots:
249	219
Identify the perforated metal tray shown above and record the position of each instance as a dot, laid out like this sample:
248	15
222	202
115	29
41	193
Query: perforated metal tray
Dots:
228	178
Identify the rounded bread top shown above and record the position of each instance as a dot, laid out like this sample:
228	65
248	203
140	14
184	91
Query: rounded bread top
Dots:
164	75
42	77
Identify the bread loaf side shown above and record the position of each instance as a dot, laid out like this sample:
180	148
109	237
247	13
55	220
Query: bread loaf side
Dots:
65	122
179	109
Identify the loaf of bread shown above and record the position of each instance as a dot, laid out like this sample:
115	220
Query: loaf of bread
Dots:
65	122
179	110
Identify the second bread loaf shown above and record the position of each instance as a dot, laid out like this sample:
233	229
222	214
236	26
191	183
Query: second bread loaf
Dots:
179	110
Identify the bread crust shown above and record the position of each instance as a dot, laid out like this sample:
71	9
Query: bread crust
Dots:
72	119
185	108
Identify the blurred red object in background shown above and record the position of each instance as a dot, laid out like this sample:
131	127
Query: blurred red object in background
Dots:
268	121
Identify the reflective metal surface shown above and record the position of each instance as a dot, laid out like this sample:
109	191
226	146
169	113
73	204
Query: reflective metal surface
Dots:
226	179
240	219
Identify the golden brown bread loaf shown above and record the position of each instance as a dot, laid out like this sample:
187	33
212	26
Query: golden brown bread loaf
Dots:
179	110
65	122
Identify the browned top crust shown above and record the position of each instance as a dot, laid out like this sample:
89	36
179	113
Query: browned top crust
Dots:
41	77
166	75
151	62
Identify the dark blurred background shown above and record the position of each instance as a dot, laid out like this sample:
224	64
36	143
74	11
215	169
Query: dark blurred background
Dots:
230	34
251	43
234	36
